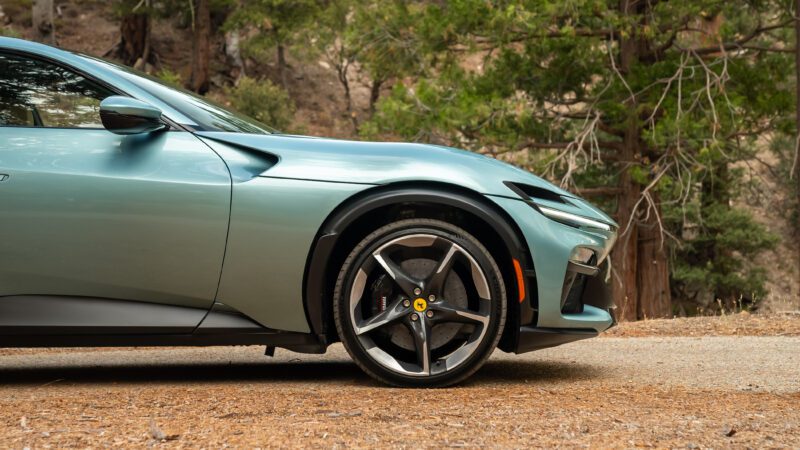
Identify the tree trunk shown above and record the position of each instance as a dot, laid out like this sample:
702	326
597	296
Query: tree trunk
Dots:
201	48
135	39
374	95
342	66
641	285
282	65
624	258
796	162
655	298
233	55
652	262
42	16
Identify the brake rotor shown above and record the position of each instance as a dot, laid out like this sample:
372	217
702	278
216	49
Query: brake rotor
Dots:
383	293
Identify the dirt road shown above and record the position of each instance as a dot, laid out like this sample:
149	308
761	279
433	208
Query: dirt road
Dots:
621	392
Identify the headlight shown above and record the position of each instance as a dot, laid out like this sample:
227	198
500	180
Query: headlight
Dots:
537	196
573	219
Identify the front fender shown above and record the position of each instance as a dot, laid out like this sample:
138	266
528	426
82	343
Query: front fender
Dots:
318	295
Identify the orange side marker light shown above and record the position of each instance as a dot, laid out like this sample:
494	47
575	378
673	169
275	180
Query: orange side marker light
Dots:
520	280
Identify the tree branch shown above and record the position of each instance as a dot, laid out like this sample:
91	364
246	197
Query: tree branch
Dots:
739	44
525	35
656	53
563	145
606	191
768	49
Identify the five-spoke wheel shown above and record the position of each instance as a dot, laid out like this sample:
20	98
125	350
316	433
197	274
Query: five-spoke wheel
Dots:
420	302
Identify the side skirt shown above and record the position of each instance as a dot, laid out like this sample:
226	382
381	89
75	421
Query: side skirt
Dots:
297	342
63	315
56	321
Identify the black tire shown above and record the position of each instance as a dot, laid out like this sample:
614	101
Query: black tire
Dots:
478	323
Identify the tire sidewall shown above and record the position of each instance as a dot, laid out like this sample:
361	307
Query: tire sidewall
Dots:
403	228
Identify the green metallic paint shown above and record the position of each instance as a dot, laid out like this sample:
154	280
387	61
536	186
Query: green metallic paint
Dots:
145	217
92	214
551	245
273	225
390	162
130	107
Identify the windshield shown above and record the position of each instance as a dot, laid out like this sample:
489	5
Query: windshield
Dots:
208	115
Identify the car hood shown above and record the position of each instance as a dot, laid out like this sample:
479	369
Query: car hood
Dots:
378	163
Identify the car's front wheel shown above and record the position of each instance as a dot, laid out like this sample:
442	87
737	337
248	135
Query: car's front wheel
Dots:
420	302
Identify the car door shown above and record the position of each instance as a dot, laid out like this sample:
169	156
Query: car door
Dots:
99	232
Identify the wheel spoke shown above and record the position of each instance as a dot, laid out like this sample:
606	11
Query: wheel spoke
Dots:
444	312
407	260
421	331
389	316
406	282
435	282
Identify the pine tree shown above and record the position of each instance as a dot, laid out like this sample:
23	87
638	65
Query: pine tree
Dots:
277	24
636	104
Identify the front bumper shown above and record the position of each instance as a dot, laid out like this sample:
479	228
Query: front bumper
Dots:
587	295
533	338
569	302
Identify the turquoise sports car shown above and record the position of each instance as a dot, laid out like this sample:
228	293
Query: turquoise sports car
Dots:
133	213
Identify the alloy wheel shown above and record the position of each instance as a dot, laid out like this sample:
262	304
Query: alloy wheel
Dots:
420	304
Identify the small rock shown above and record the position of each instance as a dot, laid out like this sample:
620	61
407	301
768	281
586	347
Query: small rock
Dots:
156	432
159	435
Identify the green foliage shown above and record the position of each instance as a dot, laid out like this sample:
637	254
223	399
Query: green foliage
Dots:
183	9
9	32
277	22
663	97
383	35
566	82
263	101
716	255
784	149
170	77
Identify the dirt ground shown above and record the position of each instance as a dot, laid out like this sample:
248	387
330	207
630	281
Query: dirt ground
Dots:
659	389
741	324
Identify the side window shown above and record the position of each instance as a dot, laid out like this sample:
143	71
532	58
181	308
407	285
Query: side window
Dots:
36	93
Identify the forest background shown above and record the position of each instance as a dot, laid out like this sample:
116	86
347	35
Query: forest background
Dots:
680	118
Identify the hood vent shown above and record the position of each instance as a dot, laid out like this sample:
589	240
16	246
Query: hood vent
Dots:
529	192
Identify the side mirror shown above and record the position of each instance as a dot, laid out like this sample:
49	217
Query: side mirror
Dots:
125	115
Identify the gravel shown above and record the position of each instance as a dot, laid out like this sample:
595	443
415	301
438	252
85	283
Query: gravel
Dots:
742	324
610	392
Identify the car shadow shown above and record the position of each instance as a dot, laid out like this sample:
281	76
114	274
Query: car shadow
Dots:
511	371
321	372
281	372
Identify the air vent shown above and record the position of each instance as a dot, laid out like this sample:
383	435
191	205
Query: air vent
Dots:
535	193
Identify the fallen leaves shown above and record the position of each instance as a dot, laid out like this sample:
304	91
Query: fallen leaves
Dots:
742	324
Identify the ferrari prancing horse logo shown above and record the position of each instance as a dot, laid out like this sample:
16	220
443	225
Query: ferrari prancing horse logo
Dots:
420	304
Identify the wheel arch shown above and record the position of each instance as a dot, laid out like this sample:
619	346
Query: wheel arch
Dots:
352	220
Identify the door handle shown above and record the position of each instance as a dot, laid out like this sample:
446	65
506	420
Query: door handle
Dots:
3	177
